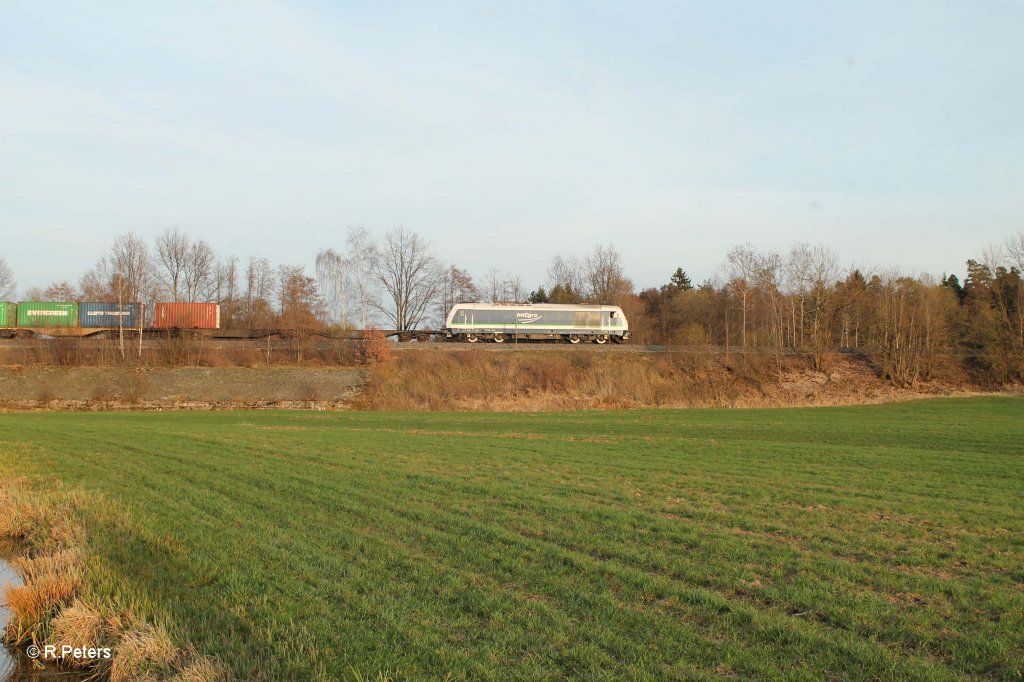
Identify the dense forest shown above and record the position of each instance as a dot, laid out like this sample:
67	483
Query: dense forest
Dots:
802	301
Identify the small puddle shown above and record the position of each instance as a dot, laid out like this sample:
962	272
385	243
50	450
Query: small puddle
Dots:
15	666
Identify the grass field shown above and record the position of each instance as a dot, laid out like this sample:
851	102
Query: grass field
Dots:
877	542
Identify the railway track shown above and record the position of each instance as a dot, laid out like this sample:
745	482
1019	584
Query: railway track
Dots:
316	342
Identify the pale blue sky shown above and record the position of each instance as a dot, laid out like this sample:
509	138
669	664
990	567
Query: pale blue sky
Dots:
508	132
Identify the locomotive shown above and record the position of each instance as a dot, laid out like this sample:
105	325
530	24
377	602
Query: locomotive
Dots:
500	322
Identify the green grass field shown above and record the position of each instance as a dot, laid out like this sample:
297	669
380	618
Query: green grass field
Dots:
876	542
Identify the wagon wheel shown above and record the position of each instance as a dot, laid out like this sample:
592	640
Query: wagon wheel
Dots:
499	338
601	338
472	338
574	338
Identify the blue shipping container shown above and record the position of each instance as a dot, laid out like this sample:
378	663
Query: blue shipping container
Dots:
106	314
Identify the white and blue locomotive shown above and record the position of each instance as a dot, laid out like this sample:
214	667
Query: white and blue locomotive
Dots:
500	322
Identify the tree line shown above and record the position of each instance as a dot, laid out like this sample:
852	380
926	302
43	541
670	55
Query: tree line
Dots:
916	327
803	300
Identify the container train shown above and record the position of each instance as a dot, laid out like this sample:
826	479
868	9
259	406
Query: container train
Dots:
86	318
500	322
468	322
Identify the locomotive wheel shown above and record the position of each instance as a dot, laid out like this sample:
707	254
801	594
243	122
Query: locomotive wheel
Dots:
499	338
472	338
574	338
601	338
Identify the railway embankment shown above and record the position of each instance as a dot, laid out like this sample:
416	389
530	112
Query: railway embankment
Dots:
480	379
104	388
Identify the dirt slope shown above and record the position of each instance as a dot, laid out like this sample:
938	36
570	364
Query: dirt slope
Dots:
180	387
482	381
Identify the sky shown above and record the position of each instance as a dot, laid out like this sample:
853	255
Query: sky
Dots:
505	133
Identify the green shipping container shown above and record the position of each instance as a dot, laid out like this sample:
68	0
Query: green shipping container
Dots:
8	314
47	314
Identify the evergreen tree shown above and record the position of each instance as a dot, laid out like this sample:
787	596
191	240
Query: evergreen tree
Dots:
680	281
564	293
953	282
539	296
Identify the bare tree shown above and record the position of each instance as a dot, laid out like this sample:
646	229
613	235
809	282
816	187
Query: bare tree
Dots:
606	282
362	251
822	277
798	283
302	309
1015	250
769	282
7	284
61	291
457	287
409	275
227	290
200	274
566	280
260	284
743	265
187	270
514	289
912	318
811	272
494	286
503	287
300	304
333	277
124	274
172	252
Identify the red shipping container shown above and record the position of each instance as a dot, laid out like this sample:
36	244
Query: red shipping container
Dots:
187	316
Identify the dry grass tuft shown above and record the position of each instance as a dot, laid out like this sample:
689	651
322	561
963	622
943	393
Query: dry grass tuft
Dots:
33	604
59	563
17	520
80	625
51	582
202	670
144	652
38	518
21	511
